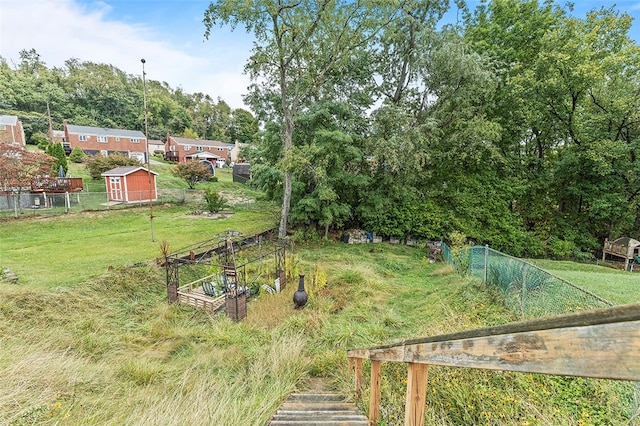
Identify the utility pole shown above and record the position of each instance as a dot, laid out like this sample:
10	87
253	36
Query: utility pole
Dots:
146	134
50	122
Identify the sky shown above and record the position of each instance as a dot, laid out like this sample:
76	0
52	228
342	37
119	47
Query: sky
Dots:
169	35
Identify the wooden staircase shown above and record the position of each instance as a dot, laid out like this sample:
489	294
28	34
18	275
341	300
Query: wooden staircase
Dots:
318	409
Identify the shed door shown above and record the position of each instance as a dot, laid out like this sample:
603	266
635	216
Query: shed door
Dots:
116	188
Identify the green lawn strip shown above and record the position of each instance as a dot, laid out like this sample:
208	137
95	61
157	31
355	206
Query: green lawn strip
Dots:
65	250
615	285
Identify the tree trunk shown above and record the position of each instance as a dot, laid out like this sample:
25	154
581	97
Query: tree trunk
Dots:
286	203
287	143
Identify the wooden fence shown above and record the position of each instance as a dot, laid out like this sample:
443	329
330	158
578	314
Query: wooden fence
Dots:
599	344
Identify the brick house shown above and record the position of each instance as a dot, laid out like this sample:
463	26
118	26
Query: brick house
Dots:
11	130
184	149
98	140
156	146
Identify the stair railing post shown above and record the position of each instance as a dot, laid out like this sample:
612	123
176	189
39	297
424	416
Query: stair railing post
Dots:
355	366
416	394
374	402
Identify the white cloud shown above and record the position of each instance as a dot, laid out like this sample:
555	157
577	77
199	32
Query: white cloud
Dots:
62	29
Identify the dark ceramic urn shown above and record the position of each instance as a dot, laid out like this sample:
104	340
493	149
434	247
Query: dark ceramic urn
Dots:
300	296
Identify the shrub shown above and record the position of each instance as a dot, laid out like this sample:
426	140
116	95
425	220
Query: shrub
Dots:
192	172
96	165
215	202
77	155
40	139
561	249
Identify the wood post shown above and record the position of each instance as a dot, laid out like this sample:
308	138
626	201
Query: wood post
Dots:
416	394
374	402
355	366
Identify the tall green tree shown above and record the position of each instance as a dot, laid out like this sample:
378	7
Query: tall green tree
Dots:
567	106
57	151
298	45
243	127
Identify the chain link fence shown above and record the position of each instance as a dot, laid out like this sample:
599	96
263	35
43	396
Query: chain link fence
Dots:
528	290
51	204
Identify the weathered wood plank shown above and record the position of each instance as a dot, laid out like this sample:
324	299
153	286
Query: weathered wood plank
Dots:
599	344
358	353
374	402
600	316
417	375
607	351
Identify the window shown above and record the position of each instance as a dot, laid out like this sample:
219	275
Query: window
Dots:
220	149
198	148
83	138
135	140
3	127
102	139
117	138
172	148
187	147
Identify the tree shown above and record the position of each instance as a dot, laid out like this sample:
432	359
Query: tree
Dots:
18	168
192	172
57	151
567	105
300	44
243	127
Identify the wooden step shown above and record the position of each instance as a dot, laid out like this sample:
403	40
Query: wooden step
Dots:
318	409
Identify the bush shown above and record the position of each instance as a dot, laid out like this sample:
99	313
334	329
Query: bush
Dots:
192	173
77	155
40	139
96	165
215	202
561	249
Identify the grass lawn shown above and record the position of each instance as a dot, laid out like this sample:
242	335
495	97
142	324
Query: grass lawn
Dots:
83	343
112	352
67	249
615	285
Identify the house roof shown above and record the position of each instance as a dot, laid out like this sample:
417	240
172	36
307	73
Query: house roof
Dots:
125	170
8	120
155	142
200	142
103	131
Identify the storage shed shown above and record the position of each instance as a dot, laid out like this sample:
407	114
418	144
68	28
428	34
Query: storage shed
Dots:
625	247
131	184
241	172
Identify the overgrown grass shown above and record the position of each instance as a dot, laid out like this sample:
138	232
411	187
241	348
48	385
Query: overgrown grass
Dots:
109	350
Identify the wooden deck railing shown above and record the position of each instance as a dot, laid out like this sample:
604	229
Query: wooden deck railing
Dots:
599	344
56	184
